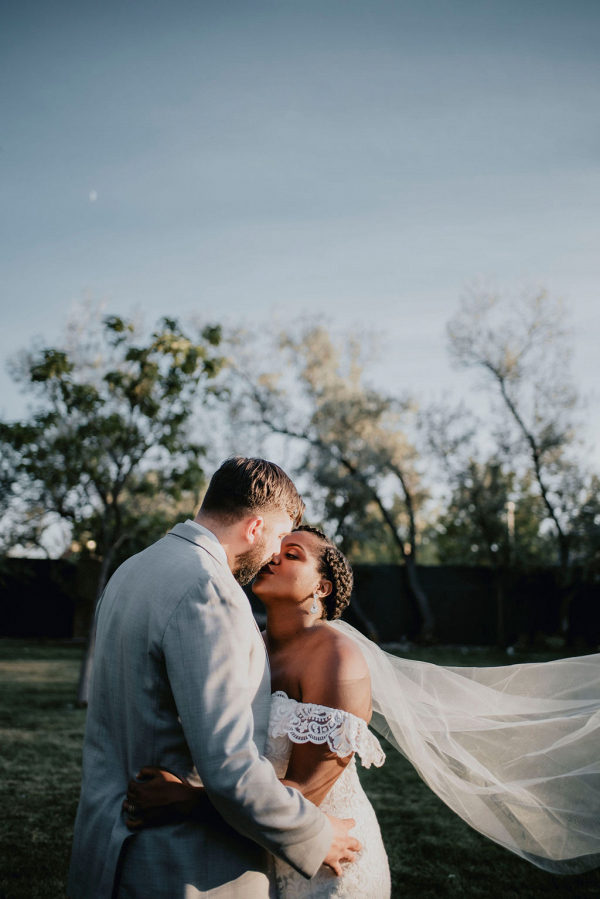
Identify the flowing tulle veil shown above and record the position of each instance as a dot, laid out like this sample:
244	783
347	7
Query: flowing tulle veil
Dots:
515	751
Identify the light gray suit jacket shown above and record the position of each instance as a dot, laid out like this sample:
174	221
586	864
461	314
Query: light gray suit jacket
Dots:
181	680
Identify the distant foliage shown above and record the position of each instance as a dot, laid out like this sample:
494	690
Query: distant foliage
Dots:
474	528
107	449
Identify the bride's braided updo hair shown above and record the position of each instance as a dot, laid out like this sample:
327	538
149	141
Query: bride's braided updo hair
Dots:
334	566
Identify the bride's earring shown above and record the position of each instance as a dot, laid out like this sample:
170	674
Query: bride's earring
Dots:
314	608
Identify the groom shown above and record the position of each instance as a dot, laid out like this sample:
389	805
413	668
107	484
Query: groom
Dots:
181	680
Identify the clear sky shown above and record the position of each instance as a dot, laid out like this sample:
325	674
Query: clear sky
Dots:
364	159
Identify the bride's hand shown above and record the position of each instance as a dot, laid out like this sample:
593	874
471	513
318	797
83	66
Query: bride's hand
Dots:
160	798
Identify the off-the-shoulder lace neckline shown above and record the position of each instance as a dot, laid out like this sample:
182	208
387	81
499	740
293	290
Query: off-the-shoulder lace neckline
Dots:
309	722
316	705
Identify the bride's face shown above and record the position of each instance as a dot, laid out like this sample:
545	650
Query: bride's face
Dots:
292	576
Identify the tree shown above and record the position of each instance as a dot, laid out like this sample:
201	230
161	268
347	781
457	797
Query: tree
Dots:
521	345
110	432
356	450
491	515
586	530
493	518
349	512
8	477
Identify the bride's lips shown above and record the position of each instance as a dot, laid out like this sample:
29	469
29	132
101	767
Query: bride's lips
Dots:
265	569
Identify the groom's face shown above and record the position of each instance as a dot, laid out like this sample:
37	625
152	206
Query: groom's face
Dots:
275	526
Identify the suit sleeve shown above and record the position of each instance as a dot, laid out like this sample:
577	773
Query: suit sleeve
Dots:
206	646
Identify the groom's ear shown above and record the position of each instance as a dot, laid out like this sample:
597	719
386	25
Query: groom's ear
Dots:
254	528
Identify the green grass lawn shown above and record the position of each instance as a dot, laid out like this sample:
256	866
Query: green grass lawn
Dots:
432	852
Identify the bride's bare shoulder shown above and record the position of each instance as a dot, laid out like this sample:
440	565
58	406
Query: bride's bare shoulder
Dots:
337	675
341	652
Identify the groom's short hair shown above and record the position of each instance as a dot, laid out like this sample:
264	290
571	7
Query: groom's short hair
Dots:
242	486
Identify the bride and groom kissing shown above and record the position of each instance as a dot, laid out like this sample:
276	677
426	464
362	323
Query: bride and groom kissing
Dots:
251	738
221	762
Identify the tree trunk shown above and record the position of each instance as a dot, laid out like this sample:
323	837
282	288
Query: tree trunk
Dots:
564	539
500	629
568	593
85	673
566	584
422	599
427	620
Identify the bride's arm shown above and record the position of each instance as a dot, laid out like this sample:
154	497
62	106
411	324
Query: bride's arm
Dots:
337	677
313	770
158	797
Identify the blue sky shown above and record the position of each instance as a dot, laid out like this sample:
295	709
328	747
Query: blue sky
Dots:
364	159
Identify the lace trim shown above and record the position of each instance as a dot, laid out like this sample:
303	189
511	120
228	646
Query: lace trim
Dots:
307	722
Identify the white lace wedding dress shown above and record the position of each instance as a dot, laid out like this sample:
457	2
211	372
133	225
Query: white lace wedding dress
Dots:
298	722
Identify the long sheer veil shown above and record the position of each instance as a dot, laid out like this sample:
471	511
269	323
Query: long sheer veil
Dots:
515	751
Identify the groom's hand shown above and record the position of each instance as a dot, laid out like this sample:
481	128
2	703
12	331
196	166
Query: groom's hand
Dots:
343	846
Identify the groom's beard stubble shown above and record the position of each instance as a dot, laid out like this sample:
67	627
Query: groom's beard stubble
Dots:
248	564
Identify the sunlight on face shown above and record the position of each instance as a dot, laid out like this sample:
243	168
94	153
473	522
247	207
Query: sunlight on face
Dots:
267	545
292	574
277	526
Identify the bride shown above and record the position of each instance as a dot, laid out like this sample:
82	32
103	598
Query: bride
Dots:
513	750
